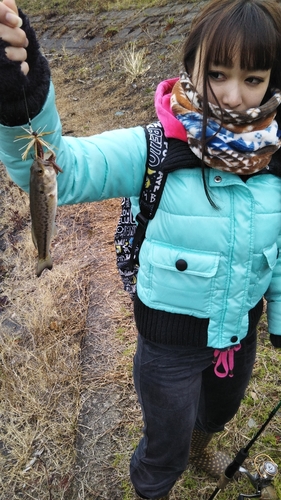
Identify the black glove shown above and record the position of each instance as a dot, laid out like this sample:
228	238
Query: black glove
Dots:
275	340
13	110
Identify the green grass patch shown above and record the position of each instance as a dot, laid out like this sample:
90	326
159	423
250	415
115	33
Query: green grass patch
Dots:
54	7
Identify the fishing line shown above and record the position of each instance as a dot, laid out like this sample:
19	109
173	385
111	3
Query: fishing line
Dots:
37	144
242	454
26	107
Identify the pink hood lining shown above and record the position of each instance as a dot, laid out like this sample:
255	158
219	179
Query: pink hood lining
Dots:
172	127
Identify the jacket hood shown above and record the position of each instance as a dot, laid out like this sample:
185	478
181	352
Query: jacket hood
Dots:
172	127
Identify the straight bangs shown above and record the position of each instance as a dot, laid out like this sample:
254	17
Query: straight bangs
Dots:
249	30
246	31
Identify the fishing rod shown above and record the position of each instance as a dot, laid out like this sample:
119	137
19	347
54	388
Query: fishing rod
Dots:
236	464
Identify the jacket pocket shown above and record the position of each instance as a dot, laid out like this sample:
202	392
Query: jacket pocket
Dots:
263	265
182	278
271	254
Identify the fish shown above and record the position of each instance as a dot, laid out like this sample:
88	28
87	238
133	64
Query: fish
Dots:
43	208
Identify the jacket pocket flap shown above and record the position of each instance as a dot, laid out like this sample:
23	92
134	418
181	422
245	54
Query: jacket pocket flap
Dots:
183	260
271	255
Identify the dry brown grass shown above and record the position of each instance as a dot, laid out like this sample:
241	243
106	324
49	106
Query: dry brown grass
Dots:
54	359
42	322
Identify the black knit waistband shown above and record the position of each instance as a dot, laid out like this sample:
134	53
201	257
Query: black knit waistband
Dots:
180	329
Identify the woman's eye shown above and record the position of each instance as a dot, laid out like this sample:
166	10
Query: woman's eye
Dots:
253	80
216	75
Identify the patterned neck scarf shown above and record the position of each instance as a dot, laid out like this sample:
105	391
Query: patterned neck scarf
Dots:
238	142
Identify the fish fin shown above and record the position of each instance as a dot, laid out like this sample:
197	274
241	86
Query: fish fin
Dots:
33	238
44	264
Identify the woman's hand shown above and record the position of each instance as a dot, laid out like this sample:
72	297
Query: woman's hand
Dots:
12	34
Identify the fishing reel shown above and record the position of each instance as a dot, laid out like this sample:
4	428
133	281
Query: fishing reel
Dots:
261	480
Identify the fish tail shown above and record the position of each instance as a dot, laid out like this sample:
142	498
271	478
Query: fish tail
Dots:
44	264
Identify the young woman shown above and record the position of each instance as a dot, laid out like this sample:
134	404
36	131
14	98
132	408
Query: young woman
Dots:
212	251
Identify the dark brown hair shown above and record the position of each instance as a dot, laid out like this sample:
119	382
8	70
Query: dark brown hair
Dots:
251	26
224	27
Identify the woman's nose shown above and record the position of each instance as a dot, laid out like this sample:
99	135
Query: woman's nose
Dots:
232	96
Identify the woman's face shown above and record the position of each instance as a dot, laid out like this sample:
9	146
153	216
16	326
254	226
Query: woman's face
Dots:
235	88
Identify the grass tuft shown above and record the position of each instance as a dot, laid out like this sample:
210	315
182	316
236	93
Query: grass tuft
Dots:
133	61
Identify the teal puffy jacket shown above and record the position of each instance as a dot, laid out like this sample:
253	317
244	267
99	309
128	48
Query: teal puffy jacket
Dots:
195	260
